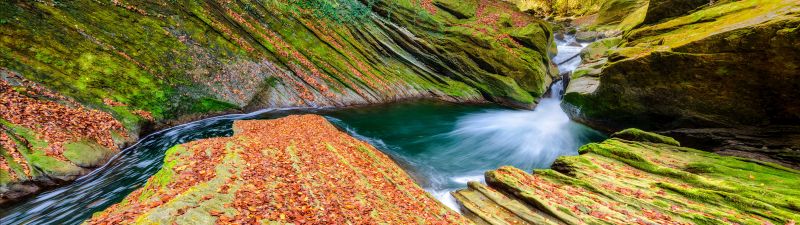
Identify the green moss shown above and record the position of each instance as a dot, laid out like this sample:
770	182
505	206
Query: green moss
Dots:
5	178
87	153
211	105
626	179
33	150
706	22
16	168
459	9
166	174
634	134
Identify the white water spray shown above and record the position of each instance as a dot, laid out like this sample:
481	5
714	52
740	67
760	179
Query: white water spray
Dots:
520	138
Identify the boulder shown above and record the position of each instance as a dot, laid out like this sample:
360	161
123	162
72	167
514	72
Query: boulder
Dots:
737	69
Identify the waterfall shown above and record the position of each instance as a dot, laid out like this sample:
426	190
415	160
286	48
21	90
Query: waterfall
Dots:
521	138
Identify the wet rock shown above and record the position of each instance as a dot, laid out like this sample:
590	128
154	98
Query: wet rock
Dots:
559	36
588	36
574	44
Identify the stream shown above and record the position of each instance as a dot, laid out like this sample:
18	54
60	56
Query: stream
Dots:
441	145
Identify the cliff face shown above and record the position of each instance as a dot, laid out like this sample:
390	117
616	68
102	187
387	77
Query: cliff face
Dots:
295	169
136	62
730	65
638	178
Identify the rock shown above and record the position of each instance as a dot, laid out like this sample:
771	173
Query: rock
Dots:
295	169
776	144
621	181
597	50
633	134
733	74
588	36
47	139
658	10
559	36
615	11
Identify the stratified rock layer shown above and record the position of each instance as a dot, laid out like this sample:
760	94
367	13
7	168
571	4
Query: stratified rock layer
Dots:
633	182
297	169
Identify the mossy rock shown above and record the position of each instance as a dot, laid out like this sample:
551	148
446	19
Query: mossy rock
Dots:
634	134
598	49
87	154
618	181
705	69
663	9
615	11
460	9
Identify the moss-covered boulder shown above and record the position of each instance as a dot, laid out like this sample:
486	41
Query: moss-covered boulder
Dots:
729	65
296	169
629	182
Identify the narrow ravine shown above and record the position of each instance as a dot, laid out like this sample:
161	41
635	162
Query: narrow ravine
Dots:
446	149
443	146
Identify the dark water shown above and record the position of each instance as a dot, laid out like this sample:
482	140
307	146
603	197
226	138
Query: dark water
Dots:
442	145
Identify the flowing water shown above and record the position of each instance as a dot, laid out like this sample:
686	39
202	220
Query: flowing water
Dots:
442	145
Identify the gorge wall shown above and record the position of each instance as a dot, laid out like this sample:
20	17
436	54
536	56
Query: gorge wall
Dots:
720	76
